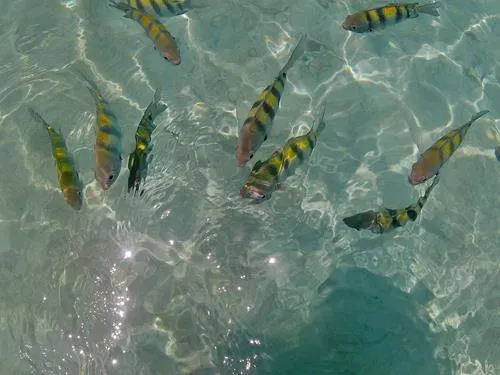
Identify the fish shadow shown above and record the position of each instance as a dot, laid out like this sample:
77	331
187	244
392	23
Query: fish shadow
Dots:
363	325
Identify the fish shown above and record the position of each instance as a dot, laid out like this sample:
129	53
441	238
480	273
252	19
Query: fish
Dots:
258	124
433	159
67	173
264	178
390	14
497	152
108	139
167	8
163	41
162	8
387	219
139	159
269	175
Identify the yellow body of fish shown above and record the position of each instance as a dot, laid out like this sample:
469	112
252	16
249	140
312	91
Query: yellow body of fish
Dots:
387	218
108	138
267	176
69	180
140	157
162	8
390	14
258	124
433	159
164	41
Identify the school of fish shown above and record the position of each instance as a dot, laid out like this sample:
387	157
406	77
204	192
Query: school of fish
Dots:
266	177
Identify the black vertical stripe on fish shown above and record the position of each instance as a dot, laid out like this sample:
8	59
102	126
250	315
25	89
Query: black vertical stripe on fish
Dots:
271	168
257	103
149	27
140	5
311	143
381	16
261	128
441	154
412	214
169	6
110	148
399	13
106	110
156	7
110	130
395	223
298	152
407	11
369	20
452	146
269	110
276	93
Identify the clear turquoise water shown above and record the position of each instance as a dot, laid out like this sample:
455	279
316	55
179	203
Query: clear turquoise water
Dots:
279	288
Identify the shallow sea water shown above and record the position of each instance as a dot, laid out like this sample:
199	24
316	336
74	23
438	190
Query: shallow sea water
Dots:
189	279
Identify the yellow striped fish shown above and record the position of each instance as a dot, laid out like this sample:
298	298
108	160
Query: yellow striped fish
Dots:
431	160
162	8
268	176
388	218
390	14
259	121
164	41
140	157
69	180
108	143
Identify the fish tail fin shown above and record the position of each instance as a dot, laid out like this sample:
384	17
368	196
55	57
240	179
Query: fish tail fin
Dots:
37	117
428	191
466	126
137	165
155	107
430	8
478	115
321	123
124	7
296	53
91	86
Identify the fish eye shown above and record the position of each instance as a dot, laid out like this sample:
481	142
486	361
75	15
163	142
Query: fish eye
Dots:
110	178
353	27
251	156
166	58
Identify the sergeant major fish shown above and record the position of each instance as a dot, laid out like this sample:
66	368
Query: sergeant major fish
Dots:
268	176
431	161
390	14
388	219
164	41
140	157
69	180
108	139
258	124
162	8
